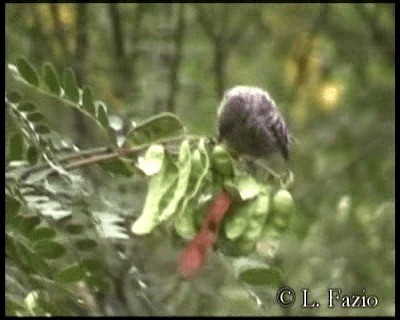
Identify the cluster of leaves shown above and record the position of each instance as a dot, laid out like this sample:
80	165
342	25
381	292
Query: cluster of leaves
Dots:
42	257
181	189
53	229
54	224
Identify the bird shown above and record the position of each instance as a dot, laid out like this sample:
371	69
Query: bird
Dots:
249	122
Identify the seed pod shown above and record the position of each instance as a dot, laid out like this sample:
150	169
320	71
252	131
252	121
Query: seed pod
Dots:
185	222
237	222
221	161
184	167
161	187
283	207
197	163
259	215
245	224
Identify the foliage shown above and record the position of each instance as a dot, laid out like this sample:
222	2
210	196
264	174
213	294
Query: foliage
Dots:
42	195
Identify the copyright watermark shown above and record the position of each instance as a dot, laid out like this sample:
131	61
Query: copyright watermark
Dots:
335	297
285	296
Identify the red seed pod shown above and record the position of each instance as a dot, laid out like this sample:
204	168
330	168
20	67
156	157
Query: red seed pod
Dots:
205	238
191	261
217	210
195	254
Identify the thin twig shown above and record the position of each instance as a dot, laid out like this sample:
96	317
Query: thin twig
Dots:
67	158
97	155
99	158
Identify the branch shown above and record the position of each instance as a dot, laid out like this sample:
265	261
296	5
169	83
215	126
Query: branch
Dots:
97	155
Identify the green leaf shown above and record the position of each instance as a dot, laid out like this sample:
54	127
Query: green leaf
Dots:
14	96
158	127
102	114
257	273
70	86
42	129
26	107
42	233
27	72
72	273
160	184
27	224
118	167
98	284
13	306
11	250
152	161
184	166
12	205
16	147
29	260
86	244
49	249
262	277
235	248
32	155
51	79
87	100
35	117
92	265
75	228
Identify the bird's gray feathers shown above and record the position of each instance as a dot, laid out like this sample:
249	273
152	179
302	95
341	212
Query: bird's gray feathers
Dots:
250	123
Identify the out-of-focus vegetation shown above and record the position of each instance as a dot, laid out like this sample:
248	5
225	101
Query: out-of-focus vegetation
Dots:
330	69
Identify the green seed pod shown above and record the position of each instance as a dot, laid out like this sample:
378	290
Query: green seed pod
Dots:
259	215
283	207
161	187
197	163
185	224
222	161
237	222
244	225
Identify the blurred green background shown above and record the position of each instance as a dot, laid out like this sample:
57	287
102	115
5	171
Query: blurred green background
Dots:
330	69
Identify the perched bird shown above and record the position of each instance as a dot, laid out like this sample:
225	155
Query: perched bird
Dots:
250	123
